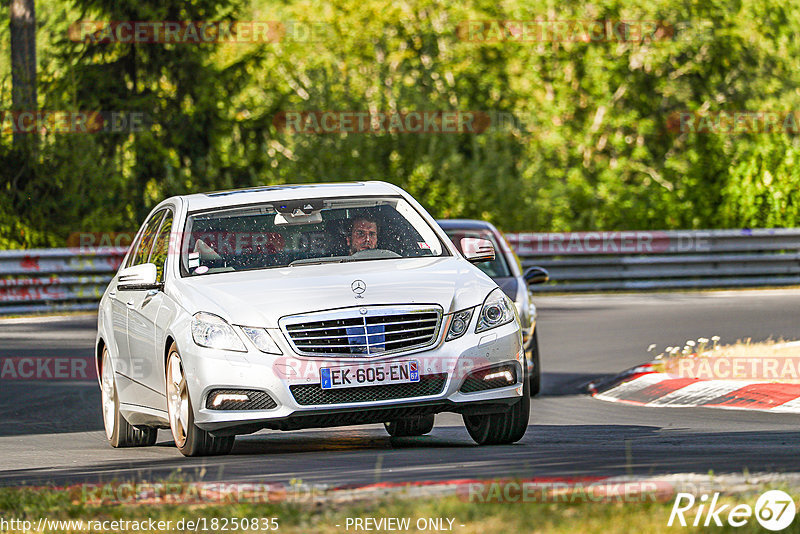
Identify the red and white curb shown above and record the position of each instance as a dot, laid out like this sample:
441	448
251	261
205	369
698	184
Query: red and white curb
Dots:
644	386
622	488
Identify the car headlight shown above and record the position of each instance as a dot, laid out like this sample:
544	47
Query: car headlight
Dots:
497	310
211	331
459	324
262	340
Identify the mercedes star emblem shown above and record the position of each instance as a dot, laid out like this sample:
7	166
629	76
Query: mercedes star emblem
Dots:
358	287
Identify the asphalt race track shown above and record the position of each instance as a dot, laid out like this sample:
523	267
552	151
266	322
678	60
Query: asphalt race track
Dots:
51	430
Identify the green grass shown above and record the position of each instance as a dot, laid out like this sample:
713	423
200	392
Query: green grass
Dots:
324	516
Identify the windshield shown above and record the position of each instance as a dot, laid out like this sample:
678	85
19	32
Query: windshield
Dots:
305	232
498	268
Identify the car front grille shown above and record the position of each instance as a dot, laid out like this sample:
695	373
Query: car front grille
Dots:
313	394
363	332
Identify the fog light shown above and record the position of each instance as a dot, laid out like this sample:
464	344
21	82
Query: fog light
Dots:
225	397
501	374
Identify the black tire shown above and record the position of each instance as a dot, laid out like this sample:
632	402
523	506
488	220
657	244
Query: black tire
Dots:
536	372
201	443
191	440
410	426
505	427
122	433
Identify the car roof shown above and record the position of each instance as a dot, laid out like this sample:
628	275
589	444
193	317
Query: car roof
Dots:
271	193
465	224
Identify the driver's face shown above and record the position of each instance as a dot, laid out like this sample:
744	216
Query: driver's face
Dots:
364	236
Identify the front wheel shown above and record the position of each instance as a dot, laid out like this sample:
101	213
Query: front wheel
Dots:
502	428
119	432
189	438
410	426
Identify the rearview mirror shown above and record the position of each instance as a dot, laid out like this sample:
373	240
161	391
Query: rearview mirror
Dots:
138	277
298	218
477	250
536	275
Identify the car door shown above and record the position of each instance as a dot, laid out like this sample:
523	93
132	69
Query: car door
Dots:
145	328
119	299
130	368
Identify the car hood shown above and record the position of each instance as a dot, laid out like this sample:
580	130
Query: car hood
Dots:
262	297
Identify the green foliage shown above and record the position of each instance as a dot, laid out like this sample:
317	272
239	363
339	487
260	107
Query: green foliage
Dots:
590	147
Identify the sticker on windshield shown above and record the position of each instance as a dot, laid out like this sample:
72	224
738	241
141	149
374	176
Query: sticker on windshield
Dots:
194	260
203	269
424	245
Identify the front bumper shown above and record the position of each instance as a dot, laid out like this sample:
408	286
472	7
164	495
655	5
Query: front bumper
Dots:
453	361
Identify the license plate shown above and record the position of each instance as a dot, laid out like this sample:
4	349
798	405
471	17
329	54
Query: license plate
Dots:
378	374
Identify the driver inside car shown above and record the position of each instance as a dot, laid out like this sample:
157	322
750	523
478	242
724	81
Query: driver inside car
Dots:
363	235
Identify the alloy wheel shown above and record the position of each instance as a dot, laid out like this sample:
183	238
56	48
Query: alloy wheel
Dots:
178	399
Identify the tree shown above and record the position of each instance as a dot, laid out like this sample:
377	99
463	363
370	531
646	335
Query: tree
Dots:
23	59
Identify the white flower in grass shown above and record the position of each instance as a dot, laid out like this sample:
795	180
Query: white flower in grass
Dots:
714	338
651	347
690	343
702	340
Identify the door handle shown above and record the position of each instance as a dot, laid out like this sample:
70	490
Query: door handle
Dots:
112	293
130	304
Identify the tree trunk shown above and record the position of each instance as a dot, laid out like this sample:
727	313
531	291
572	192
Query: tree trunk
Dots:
23	60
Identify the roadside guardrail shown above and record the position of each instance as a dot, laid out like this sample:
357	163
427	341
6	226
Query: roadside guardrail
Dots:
39	280
647	260
74	279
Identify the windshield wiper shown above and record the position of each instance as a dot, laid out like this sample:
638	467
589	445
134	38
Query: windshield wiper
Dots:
319	261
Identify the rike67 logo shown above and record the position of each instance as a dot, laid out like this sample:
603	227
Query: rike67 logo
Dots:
774	510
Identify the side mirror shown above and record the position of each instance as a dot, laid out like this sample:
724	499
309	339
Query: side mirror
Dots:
477	250
536	275
139	277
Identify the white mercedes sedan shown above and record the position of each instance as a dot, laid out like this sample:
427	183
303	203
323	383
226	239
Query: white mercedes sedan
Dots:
304	306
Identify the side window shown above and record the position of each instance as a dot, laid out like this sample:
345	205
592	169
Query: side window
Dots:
142	251
162	246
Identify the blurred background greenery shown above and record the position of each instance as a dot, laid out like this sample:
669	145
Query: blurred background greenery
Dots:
589	149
